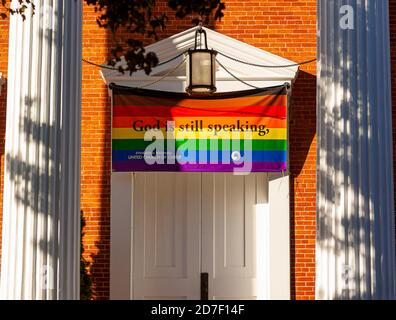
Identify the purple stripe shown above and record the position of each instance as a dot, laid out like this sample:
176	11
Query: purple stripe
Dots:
131	166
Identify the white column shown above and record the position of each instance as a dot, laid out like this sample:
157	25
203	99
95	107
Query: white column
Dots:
355	247
41	210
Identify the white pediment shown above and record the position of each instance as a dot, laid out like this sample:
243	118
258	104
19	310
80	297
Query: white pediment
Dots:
181	42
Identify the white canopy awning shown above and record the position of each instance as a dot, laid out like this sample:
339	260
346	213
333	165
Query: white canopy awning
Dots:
181	42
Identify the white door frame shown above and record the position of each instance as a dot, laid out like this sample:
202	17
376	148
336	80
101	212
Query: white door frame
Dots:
121	244
121	224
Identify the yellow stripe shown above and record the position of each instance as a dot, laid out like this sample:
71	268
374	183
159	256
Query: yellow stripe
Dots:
274	134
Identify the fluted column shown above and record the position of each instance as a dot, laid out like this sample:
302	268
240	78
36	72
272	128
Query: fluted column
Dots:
41	209
355	247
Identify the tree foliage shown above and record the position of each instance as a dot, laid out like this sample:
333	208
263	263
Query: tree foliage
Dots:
137	17
19	9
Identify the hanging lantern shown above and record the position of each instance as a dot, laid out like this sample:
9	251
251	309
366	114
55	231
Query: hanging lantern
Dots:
201	67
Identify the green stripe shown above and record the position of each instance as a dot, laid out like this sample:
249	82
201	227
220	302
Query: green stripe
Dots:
138	144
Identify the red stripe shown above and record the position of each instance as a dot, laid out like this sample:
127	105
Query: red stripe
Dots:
159	111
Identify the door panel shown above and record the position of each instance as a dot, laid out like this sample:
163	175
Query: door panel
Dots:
229	234
167	238
187	223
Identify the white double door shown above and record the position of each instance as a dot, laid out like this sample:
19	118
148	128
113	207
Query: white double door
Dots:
188	224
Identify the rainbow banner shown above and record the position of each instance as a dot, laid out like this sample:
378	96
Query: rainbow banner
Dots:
239	132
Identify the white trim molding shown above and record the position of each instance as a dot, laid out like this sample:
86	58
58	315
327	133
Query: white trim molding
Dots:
272	192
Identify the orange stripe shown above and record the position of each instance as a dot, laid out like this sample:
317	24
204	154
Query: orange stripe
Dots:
127	122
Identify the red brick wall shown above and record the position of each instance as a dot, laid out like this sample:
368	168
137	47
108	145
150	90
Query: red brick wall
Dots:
95	156
286	28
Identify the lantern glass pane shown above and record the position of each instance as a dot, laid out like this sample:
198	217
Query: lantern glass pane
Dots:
201	69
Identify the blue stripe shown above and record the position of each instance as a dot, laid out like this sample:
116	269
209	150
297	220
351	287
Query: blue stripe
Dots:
206	155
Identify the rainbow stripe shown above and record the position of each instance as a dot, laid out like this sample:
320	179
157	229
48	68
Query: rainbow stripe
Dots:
200	136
